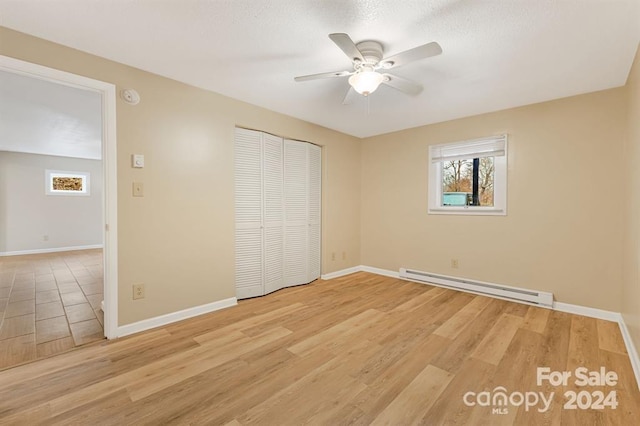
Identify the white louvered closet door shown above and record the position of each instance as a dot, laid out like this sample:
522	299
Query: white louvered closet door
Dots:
314	194
273	213
249	201
278	214
296	249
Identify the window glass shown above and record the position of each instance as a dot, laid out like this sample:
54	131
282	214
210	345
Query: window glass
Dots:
468	177
66	183
460	178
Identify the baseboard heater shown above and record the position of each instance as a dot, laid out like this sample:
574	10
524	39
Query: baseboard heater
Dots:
531	297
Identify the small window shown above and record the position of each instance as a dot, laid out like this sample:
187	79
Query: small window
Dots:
67	183
469	177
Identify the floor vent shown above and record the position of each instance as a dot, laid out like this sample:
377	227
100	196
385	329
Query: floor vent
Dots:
531	297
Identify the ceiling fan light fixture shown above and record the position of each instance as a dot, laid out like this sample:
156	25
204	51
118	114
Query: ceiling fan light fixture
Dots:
365	82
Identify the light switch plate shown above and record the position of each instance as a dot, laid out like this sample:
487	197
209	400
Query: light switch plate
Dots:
137	161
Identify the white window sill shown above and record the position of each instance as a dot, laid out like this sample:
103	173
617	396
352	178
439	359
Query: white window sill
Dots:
469	211
69	193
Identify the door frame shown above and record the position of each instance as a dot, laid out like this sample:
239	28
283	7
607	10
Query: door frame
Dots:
107	92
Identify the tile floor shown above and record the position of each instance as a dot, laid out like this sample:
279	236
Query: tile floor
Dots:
49	303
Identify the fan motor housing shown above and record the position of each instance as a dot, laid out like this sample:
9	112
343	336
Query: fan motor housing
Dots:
371	51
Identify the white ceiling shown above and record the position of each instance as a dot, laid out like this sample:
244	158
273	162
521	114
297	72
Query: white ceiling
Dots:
497	54
41	117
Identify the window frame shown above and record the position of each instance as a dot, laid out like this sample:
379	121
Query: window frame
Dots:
86	183
435	177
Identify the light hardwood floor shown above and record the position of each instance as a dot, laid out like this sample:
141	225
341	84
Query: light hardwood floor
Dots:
361	349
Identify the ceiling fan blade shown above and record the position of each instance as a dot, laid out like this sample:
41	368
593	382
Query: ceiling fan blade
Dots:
415	54
347	45
323	75
348	97
402	84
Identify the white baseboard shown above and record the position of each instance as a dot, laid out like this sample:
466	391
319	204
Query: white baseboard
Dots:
50	250
341	273
631	349
378	271
587	312
136	327
359	268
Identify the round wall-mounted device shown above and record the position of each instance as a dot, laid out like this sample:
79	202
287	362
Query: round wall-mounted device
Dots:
130	96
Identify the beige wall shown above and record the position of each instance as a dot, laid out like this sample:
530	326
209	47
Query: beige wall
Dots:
631	282
179	238
563	231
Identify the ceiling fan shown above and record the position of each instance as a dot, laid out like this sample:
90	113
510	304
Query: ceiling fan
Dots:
369	66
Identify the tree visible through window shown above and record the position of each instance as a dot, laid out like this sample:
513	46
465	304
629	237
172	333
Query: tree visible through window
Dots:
469	177
471	180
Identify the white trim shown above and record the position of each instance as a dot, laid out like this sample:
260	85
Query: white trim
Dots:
172	317
434	181
631	349
586	311
110	167
107	92
49	250
48	183
469	211
385	272
360	268
341	273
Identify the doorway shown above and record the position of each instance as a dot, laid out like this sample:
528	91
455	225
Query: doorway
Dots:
105	93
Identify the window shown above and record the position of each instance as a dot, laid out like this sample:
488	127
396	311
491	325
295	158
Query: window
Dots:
66	183
469	177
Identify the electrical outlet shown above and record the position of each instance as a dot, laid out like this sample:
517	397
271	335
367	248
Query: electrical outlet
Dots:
333	255
454	263
138	291
344	255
